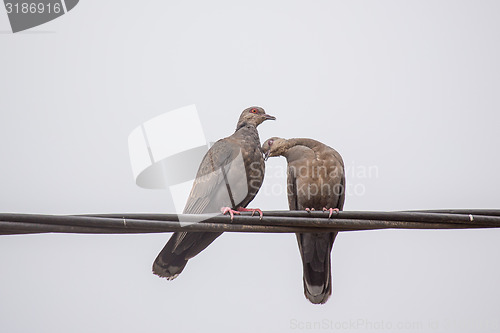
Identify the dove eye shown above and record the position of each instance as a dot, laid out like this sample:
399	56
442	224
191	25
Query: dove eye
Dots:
253	110
270	142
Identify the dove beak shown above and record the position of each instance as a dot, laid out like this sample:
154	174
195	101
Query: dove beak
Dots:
269	117
266	155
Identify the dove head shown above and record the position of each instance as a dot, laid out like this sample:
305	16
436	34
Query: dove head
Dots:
274	147
253	116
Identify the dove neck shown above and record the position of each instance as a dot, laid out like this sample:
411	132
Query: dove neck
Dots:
245	125
309	143
247	133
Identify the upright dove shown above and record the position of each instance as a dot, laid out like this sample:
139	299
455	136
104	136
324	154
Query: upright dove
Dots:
315	181
229	177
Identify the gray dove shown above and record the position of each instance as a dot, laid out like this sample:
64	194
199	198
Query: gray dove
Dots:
229	177
316	181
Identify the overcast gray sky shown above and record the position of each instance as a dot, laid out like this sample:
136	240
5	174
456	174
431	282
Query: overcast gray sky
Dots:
406	89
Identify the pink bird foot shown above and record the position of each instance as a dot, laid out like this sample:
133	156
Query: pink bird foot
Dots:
231	212
331	210
253	210
309	210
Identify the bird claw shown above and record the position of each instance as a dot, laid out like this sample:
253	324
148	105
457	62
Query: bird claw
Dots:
253	210
331	210
309	210
229	210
